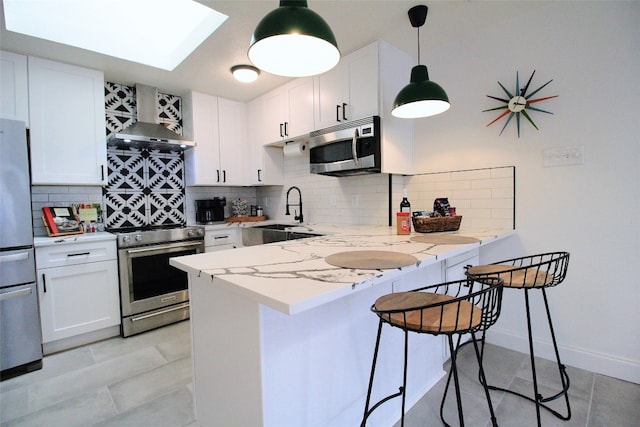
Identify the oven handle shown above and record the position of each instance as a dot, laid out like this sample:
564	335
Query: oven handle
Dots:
183	245
158	313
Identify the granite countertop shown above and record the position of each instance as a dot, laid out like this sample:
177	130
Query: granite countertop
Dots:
293	276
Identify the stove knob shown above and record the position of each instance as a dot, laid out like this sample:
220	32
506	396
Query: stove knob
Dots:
138	237
190	233
126	239
200	232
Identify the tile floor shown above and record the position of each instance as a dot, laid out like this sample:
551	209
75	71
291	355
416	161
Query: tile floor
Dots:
146	381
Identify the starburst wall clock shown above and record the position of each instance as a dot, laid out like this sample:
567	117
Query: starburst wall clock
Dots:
518	103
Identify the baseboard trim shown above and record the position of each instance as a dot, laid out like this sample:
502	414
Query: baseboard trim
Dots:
78	340
606	364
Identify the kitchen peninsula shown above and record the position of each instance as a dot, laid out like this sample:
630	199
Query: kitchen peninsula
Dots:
281	337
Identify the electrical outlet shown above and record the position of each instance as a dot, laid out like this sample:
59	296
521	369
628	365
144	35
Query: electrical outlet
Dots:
563	156
355	201
333	201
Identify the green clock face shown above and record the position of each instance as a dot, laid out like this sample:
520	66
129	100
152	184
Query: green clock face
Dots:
519	103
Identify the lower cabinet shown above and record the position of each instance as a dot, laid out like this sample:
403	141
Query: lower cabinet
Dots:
220	239
79	297
455	266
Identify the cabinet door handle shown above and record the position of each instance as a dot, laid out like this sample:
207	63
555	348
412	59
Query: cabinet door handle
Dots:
338	113
218	175
344	111
259	177
286	128
44	283
224	175
79	254
102	171
281	133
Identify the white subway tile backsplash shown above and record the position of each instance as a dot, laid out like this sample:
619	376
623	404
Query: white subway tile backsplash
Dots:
484	197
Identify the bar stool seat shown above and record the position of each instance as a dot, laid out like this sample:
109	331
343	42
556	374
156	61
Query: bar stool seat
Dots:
533	272
452	308
514	276
448	318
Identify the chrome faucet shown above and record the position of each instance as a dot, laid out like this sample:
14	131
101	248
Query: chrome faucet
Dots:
296	217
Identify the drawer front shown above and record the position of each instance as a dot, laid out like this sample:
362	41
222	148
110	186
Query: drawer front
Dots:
75	253
220	237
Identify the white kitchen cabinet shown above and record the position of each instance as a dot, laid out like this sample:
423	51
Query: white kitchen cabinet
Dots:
284	113
218	126
78	289
454	266
219	239
14	89
232	119
365	83
67	124
266	163
350	90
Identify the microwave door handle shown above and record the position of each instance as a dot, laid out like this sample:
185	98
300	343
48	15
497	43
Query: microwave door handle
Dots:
354	145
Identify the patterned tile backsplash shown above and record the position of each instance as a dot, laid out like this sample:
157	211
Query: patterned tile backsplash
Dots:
145	186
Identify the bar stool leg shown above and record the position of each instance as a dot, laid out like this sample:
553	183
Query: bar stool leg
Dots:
562	369
368	411
536	395
483	379
452	372
373	370
538	399
404	377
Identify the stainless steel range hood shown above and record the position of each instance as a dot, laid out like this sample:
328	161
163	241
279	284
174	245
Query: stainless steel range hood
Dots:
148	131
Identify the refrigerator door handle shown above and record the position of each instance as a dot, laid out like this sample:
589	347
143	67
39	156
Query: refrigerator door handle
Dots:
15	294
22	256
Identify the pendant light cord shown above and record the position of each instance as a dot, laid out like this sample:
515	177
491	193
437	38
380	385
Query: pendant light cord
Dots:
418	45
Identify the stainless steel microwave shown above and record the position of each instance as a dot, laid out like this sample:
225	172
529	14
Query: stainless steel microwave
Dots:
351	148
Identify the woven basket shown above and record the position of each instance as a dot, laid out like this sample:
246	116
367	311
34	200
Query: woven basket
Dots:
424	224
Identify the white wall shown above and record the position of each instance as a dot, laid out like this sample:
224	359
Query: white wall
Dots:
591	50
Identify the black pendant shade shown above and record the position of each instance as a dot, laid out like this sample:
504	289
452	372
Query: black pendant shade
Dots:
293	41
421	97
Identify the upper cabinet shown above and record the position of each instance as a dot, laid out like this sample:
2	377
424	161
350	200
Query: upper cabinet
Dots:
266	163
14	90
365	83
284	113
67	124
350	90
218	126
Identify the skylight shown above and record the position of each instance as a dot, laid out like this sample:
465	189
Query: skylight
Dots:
159	33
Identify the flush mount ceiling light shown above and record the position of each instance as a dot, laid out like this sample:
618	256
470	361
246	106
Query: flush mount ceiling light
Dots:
421	97
293	41
245	73
101	26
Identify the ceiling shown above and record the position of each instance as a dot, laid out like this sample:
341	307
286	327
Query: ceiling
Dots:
355	23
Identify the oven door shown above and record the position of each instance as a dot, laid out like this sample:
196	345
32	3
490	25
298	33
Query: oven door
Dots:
148	282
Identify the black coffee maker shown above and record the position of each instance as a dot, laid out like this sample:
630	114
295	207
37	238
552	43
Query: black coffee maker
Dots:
210	210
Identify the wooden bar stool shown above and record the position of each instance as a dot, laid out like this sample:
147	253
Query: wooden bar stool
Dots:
534	272
452	308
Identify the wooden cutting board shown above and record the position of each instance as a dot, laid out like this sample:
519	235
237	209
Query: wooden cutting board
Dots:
371	260
246	218
444	239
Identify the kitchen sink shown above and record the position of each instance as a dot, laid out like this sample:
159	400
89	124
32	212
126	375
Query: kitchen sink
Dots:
262	234
275	226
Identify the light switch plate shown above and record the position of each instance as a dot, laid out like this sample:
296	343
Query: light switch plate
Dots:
563	156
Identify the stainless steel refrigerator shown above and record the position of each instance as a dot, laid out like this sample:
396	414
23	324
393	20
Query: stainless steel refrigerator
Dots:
20	333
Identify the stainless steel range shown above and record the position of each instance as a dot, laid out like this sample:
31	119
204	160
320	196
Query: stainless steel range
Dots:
152	292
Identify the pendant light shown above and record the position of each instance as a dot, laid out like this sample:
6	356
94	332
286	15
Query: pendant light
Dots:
421	97
293	41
